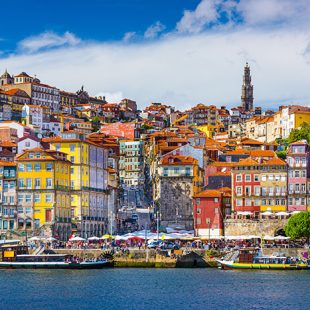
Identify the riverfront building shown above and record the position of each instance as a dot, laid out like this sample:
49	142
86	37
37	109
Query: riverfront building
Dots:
44	192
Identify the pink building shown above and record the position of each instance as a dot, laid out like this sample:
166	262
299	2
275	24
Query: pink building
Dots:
298	171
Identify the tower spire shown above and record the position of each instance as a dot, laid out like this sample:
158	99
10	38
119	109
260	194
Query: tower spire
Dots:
247	90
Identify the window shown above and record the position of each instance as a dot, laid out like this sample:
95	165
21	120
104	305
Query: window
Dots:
37	183
72	159
49	183
303	173
256	178
296	173
239	190
72	147
303	188
216	200
248	202
28	198
198	201
248	178
238	202
21	183
28	183
38	155
198	220
49	167
187	171
28	167
270	177
248	190
20	198
264	178
176	170
12	199
239	178
72	170
28	210
37	167
198	211
257	190
48	198
37	197
257	202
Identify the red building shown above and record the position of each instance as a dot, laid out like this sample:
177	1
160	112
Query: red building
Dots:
122	130
210	208
246	185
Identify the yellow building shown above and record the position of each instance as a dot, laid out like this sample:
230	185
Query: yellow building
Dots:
88	182
210	130
44	191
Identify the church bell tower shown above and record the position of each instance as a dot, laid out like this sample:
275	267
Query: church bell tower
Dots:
247	90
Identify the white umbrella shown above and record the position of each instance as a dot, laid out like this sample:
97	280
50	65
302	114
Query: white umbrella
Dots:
295	212
51	239
244	213
94	238
121	237
268	237
34	239
282	213
281	238
77	239
267	213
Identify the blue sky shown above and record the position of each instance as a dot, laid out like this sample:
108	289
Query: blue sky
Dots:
179	52
100	20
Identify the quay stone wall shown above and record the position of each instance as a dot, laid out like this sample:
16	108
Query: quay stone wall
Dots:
239	227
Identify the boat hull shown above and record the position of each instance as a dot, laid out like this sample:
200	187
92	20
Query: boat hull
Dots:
60	265
232	265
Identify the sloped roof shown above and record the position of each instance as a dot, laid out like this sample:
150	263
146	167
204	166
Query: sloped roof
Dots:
208	193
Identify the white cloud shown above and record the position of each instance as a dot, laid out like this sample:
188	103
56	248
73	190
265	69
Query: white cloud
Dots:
210	14
202	66
112	97
154	30
273	11
48	40
128	36
181	71
195	21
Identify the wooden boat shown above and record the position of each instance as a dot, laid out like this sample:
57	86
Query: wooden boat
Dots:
17	257
250	258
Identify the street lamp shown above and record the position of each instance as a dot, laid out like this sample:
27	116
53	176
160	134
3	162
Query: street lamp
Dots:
208	221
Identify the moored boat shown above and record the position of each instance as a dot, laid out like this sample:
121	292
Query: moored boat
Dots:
251	258
17	257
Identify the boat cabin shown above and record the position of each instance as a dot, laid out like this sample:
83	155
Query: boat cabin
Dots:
10	252
247	255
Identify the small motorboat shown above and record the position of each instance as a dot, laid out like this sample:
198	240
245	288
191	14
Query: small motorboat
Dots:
252	258
17	257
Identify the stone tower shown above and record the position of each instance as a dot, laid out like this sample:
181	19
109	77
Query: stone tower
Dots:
5	78
247	90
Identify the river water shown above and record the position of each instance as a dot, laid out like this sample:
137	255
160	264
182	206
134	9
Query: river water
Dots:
154	289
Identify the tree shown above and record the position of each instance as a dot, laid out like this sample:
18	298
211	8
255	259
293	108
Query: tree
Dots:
303	133
281	154
298	226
